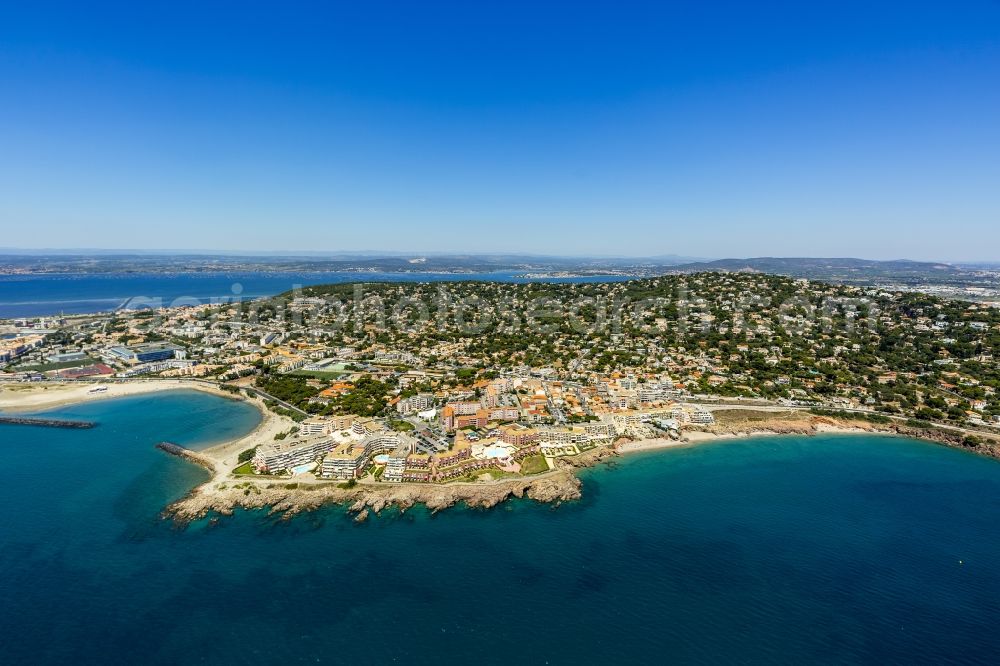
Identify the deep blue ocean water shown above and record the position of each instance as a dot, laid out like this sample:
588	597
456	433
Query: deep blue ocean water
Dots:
44	295
831	549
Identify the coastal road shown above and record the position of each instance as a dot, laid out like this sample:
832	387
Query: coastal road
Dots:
267	396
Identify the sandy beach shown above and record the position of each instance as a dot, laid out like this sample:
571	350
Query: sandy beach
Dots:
27	397
225	456
649	444
693	437
221	458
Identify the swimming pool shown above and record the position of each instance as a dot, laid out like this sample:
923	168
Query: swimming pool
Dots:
498	451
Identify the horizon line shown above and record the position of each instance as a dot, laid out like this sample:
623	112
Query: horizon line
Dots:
387	254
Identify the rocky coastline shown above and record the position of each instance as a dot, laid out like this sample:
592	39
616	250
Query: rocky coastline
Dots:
291	498
980	443
287	497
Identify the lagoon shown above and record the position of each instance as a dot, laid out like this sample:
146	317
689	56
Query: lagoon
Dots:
44	295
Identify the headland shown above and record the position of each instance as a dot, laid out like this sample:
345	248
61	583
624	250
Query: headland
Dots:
234	486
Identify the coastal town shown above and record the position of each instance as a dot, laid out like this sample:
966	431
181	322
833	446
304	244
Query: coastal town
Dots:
544	333
391	383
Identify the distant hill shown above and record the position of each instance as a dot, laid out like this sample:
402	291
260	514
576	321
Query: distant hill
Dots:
129	261
843	270
834	269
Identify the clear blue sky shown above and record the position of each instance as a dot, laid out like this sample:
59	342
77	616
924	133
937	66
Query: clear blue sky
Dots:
706	129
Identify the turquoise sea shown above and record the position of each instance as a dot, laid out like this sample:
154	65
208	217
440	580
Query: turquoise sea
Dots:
833	549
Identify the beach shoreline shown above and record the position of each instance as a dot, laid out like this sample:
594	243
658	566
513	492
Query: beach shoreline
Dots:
19	398
225	492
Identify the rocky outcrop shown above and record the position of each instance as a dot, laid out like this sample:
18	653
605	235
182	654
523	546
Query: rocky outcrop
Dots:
291	498
585	459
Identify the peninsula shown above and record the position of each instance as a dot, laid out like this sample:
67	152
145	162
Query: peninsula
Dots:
397	393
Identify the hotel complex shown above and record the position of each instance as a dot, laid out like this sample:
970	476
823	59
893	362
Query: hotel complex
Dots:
483	436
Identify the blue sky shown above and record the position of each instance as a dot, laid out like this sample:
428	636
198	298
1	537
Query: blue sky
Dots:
705	129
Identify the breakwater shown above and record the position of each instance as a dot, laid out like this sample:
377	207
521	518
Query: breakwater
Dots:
46	423
182	452
172	449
